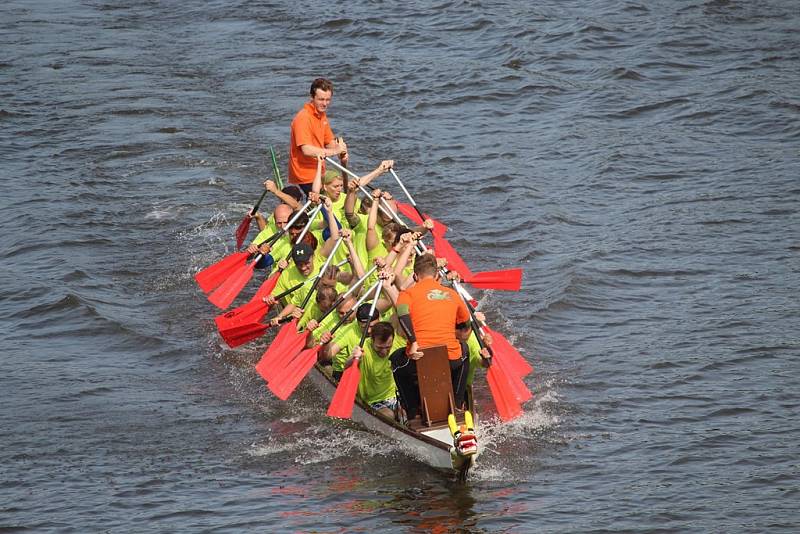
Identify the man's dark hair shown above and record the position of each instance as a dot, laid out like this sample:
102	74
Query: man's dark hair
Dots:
321	83
300	222
382	331
293	191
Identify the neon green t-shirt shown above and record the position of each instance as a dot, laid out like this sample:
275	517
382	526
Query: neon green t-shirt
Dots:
326	326
377	381
269	230
347	337
474	357
312	311
360	239
291	277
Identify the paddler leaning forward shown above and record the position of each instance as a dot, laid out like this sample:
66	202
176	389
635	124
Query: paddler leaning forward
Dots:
337	350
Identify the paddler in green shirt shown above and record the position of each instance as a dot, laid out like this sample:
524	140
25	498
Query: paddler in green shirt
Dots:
377	387
331	184
282	247
333	278
337	349
307	262
290	197
471	349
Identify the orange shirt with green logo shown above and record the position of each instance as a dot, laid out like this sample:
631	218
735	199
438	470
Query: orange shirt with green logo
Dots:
435	310
308	128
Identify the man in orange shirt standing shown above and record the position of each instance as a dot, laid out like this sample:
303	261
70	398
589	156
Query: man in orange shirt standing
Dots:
311	136
428	312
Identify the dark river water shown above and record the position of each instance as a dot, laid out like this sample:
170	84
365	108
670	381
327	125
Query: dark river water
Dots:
639	160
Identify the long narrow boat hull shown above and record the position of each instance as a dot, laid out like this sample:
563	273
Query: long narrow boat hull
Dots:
433	447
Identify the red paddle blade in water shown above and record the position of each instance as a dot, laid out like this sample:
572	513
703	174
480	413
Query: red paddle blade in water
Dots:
508	407
443	249
439	228
241	231
230	288
288	333
213	275
251	312
502	347
243	333
285	384
345	396
507	280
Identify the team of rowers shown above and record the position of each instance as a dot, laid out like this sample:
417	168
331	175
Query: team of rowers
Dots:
375	264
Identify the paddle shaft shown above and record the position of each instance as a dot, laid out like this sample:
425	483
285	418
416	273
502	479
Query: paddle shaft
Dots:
321	271
371	311
347	293
307	227
273	238
476	329
352	310
275	169
408	195
383	205
258	204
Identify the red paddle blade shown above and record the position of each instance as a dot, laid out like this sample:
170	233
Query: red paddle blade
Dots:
285	384
439	228
251	312
342	402
508	407
213	275
286	357
230	288
443	249
241	334
518	388
508	280
503	348
241	231
409	211
287	334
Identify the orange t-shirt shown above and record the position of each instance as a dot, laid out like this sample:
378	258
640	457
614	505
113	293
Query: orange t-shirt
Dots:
435	310
308	128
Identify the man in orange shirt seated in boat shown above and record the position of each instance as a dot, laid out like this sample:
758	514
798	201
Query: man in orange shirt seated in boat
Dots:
428	312
311	136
